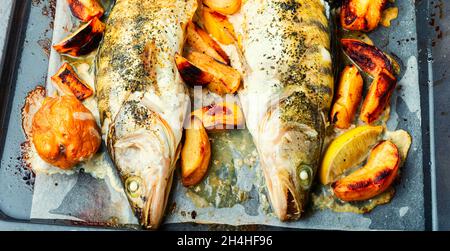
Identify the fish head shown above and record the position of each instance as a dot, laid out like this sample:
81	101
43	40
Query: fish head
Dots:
289	143
142	147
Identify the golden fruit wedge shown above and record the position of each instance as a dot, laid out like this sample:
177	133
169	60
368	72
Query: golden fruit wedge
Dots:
85	10
226	79
348	97
373	178
69	83
348	150
378	97
218	26
225	7
367	57
195	154
190	73
84	40
361	15
200	41
220	116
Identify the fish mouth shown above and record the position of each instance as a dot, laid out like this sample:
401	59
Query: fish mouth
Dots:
289	153
286	201
144	154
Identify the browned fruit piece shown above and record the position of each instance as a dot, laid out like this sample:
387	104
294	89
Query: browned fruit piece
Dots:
85	10
64	132
190	73
68	82
220	116
200	41
368	57
361	15
83	41
195	154
348	97
218	26
225	7
378	96
226	79
373	178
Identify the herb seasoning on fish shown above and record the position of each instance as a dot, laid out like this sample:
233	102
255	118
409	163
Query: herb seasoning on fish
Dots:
287	94
142	99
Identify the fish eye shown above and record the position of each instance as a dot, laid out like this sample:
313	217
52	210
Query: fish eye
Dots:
305	175
133	186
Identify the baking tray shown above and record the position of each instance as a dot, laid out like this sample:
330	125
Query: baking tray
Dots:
25	66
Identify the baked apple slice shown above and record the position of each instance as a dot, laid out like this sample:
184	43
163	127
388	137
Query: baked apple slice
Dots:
373	178
68	83
226	79
85	10
348	97
200	41
220	116
195	154
378	96
367	57
225	7
361	15
218	26
190	73
83	41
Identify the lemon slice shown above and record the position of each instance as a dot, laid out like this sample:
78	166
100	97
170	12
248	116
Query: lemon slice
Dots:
348	150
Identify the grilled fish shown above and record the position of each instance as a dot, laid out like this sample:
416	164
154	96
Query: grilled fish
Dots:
142	99
288	88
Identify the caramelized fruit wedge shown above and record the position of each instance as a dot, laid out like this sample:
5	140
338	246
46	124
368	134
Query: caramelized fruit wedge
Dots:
190	73
218	26
200	41
195	154
361	15
226	79
68	82
368	57
373	178
220	116
378	96
225	7
85	10
348	97
83	41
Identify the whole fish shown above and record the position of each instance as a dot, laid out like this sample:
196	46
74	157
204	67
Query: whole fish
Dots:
142	99
288	88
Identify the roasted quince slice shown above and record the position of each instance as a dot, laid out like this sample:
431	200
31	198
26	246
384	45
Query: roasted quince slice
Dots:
83	41
348	97
224	115
218	26
195	154
200	41
361	15
373	178
190	73
85	10
225	7
378	96
68	83
367	57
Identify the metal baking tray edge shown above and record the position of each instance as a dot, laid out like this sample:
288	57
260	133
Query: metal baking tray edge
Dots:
9	65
